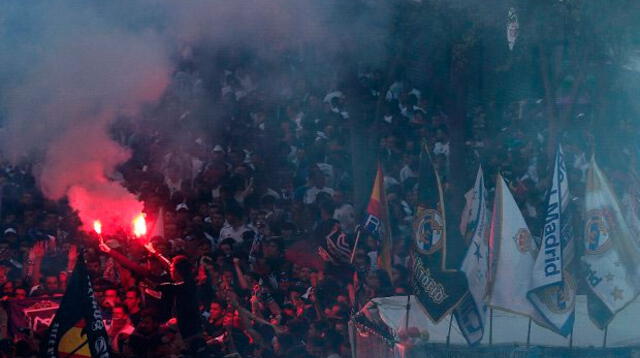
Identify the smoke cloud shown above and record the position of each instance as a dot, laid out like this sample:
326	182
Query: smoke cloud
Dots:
69	69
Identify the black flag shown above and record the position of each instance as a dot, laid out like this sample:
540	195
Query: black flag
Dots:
78	329
439	290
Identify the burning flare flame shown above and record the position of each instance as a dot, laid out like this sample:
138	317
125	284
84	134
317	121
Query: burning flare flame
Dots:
139	226
97	227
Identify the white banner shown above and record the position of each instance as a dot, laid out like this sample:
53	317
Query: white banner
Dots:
471	315
611	257
512	255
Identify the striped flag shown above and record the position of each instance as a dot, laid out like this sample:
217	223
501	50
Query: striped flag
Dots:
553	284
472	311
376	220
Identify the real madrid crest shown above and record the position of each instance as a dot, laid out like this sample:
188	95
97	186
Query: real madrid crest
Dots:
596	234
560	298
523	241
429	232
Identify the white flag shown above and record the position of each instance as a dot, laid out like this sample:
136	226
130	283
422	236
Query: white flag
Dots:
512	255
472	312
513	27
611	256
553	286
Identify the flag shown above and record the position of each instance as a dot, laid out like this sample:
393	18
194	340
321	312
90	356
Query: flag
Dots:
512	255
376	221
158	227
610	255
553	284
438	291
337	248
78	330
472	312
32	315
513	27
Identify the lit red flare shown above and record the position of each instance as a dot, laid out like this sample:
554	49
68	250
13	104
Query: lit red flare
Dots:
97	227
139	226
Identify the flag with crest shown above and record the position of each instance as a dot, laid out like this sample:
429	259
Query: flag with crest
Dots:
472	311
512	253
611	255
553	283
439	291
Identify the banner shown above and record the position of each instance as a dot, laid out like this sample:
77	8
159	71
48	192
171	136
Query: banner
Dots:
77	329
438	291
610	255
32	314
377	222
512	255
472	312
553	283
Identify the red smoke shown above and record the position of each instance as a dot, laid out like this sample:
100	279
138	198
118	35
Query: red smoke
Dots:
78	165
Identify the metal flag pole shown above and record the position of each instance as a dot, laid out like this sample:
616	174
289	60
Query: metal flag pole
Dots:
406	318
490	326
449	332
571	339
529	333
604	339
355	245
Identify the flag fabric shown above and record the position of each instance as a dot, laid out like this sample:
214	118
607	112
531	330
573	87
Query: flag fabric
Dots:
512	255
32	315
553	283
337	248
376	221
158	227
472	312
438	291
610	254
78	330
513	27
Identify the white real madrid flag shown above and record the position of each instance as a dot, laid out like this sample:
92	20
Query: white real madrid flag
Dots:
512	256
472	312
553	287
611	258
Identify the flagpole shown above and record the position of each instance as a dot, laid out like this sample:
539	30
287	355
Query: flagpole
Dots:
449	332
491	326
355	245
604	340
529	333
571	339
406	320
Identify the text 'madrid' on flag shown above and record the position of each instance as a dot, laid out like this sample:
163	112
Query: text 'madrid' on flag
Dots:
472	311
438	291
511	256
611	256
78	329
553	283
376	221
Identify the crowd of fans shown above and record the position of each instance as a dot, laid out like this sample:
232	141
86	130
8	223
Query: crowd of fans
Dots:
249	174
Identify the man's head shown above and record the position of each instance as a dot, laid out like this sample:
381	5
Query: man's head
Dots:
110	298
148	324
132	300
216	310
120	312
51	283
